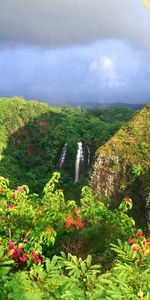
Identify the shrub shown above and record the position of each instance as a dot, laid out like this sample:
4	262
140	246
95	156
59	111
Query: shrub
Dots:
35	229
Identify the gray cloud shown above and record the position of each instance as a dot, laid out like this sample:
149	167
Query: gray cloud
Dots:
56	23
75	50
109	70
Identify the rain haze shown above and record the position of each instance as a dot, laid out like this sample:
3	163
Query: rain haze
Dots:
75	51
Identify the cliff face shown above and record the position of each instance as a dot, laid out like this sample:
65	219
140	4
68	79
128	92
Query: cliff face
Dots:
123	163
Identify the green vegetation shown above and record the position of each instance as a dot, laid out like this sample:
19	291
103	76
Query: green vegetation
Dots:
54	248
33	134
123	164
44	243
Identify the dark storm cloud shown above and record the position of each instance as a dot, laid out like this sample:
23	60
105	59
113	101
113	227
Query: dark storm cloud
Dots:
63	51
109	70
57	23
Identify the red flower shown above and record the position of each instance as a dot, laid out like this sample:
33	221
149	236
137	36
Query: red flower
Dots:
20	189
135	249
72	222
23	257
139	234
131	241
14	254
36	257
14	194
19	250
11	245
11	206
2	190
33	253
79	223
69	222
148	242
76	211
127	200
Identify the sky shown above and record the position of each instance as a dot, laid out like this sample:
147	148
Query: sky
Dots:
75	51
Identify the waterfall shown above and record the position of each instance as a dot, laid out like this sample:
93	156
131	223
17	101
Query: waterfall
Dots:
62	157
88	156
79	162
82	161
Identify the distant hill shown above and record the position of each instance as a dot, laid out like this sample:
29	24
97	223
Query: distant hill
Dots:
122	166
108	105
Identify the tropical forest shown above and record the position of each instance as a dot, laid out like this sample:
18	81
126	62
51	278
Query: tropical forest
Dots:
74	202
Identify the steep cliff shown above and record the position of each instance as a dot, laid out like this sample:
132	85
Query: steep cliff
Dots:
123	164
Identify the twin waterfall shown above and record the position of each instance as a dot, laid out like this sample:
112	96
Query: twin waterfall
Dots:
82	161
62	157
79	164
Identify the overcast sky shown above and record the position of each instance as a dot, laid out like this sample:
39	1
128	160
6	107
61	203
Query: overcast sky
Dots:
62	51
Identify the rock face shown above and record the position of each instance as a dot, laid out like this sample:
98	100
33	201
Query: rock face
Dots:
123	163
107	177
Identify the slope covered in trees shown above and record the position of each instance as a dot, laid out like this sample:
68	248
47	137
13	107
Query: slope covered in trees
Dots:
32	135
123	163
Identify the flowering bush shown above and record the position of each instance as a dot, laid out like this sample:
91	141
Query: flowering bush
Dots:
25	218
77	278
35	223
34	228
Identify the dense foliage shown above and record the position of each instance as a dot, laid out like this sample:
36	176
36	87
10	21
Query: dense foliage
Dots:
33	134
55	248
43	253
123	163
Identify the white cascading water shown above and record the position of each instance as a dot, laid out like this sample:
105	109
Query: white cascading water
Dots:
88	156
79	159
62	157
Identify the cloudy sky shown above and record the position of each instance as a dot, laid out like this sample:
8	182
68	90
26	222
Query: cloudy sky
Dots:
62	51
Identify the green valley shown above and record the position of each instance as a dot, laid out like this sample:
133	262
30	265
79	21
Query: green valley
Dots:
33	135
74	202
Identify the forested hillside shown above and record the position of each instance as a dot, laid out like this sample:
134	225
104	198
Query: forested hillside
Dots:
123	164
62	246
33	135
